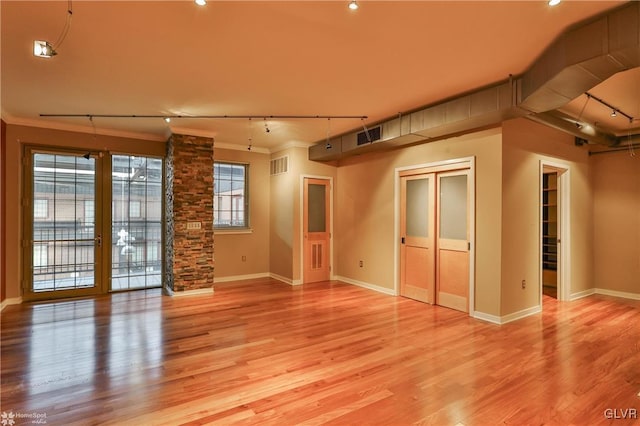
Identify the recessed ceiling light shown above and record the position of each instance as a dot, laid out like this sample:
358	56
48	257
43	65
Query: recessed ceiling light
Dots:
353	5
201	2
554	2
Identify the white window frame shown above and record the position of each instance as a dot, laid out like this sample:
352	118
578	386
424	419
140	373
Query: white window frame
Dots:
234	210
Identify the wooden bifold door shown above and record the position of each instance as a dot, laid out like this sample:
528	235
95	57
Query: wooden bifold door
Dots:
435	244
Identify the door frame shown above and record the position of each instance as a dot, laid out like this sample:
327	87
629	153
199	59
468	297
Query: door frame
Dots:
564	227
439	166
101	258
301	226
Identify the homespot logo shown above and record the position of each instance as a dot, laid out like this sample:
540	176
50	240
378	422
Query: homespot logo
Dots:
621	413
11	418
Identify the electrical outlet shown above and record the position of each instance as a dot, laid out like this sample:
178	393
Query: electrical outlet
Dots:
244	258
361	263
194	225
524	283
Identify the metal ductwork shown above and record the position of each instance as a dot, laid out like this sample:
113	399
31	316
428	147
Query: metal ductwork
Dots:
578	60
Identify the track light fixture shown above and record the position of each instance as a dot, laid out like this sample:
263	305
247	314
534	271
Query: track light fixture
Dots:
266	126
201	2
87	155
167	120
554	2
613	113
43	49
353	5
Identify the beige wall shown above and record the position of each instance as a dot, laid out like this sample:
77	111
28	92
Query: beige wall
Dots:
230	247
365	205
17	138
286	214
616	207
525	144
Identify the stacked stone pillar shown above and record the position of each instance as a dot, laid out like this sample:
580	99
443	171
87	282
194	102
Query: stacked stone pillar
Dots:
189	214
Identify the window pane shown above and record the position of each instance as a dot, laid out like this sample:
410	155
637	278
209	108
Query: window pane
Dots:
230	195
63	242
316	208
417	218
453	207
136	222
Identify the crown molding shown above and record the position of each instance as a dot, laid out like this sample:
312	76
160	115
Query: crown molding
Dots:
292	144
44	124
236	147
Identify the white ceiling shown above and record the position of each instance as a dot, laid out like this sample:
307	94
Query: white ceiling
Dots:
269	58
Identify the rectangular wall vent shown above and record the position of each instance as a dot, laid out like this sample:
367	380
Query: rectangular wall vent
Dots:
279	165
375	134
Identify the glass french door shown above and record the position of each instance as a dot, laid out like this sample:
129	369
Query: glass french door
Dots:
63	244
136	222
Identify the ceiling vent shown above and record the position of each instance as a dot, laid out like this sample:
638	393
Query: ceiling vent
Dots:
370	135
279	165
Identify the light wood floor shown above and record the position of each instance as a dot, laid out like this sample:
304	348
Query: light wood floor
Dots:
262	352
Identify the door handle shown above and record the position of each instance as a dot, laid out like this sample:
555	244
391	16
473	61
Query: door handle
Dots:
98	240
402	240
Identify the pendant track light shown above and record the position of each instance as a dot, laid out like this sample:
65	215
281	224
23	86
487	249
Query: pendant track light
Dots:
353	5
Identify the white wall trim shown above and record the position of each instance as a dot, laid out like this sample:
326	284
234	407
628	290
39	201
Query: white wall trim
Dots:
582	294
615	293
494	319
196	292
10	301
241	277
374	287
564	227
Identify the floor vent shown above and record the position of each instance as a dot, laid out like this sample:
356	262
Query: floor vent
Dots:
279	165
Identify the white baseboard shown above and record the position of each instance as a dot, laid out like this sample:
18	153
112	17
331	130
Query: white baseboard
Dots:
521	314
285	280
494	319
196	292
507	318
10	301
241	277
369	286
581	294
614	293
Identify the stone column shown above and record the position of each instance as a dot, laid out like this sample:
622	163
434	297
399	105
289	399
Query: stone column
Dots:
189	214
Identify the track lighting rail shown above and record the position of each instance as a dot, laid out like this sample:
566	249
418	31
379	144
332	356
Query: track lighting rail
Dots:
216	117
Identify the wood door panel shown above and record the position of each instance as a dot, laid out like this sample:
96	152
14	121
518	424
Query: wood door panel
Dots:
453	279
418	283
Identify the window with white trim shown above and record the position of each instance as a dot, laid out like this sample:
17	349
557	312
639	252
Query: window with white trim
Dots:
231	197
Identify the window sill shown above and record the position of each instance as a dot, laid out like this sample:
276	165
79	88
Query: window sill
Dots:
232	231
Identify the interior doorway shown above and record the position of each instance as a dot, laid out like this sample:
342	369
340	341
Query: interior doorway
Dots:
554	231
316	257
